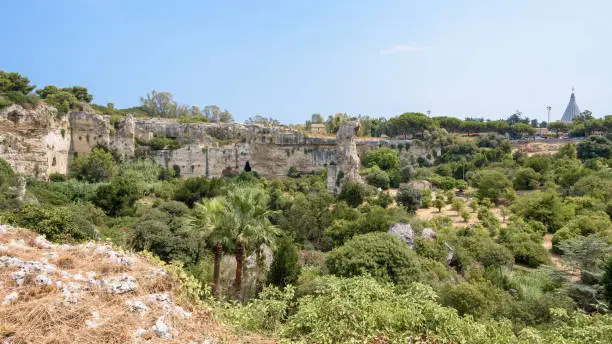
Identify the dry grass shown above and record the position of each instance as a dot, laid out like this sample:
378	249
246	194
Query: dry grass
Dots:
65	262
41	314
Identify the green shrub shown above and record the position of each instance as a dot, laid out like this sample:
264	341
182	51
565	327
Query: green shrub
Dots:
526	179
55	223
545	207
410	198
378	178
491	184
192	190
385	158
595	222
159	143
285	269
525	245
426	198
495	256
57	177
381	255
360	310
488	219
444	183
466	299
352	193
96	166
165	232
267	312
118	196
595	147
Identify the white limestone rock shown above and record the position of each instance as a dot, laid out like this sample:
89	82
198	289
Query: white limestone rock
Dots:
161	329
137	307
43	280
428	233
42	243
404	232
10	298
120	285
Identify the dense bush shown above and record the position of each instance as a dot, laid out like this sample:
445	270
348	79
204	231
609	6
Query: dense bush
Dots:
352	193
491	184
525	244
526	179
385	158
8	179
410	198
193	189
381	255
595	147
545	207
116	197
96	166
165	231
285	269
328	316
55	223
597	222
378	178
158	143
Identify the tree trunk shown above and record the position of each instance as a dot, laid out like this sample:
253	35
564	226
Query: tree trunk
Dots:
217	271
239	261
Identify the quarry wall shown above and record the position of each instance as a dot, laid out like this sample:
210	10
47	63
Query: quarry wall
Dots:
38	142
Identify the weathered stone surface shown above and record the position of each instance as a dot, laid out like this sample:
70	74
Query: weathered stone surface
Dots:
428	233
120	285
10	298
161	329
404	232
450	256
346	164
34	142
418	184
37	142
42	243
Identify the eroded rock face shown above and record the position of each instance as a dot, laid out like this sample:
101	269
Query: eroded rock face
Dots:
404	232
38	142
34	141
345	167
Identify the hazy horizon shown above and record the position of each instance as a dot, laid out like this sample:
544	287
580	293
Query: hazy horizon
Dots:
288	61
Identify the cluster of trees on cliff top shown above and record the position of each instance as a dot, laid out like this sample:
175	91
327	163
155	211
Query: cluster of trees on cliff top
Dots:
15	88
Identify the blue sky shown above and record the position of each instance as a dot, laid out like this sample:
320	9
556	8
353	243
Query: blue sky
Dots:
289	59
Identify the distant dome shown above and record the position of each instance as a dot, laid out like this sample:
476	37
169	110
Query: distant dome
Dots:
572	110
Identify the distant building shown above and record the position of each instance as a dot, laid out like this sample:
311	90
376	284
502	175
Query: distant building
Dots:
318	128
572	109
541	132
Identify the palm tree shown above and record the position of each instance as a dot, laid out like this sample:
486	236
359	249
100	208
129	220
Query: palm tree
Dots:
241	218
207	217
246	215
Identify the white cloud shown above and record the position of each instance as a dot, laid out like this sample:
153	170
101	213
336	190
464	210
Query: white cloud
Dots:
403	47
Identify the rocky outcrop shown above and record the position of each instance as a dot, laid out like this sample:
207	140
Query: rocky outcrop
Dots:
38	142
34	141
346	164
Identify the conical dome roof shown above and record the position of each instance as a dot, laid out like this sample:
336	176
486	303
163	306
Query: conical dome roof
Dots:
571	111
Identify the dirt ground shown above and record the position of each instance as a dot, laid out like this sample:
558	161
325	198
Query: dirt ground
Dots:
429	213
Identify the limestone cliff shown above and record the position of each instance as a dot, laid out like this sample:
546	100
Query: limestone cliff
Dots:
38	142
346	164
34	141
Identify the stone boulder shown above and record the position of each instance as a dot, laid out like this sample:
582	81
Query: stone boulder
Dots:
428	233
420	185
404	232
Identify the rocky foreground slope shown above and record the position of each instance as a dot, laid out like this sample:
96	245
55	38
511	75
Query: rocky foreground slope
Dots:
94	293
